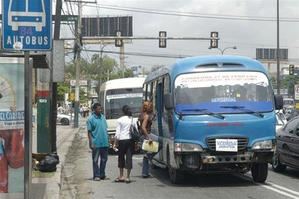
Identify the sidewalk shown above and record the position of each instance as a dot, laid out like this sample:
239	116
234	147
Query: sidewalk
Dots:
77	180
48	185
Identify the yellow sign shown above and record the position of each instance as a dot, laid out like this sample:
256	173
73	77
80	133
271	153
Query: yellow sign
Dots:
72	97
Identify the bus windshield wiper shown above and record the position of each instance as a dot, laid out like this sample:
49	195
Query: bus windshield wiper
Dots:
204	111
258	114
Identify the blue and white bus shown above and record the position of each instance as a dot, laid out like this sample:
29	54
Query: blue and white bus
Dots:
213	114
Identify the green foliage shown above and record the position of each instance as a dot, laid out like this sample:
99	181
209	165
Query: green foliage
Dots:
62	88
100	68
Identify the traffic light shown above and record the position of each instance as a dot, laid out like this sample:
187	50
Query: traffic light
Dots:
162	39
214	40
118	42
291	69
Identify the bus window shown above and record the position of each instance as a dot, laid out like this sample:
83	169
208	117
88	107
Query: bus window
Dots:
35	6
18	5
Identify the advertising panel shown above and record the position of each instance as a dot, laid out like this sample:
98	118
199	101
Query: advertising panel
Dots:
11	125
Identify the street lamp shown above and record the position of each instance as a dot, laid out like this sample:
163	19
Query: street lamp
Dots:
222	50
277	51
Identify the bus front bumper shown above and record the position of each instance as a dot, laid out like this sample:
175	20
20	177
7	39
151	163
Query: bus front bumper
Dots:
203	160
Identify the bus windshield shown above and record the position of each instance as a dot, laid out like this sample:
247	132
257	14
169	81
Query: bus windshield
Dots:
223	92
117	98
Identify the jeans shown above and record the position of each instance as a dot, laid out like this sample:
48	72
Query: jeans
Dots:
145	163
97	153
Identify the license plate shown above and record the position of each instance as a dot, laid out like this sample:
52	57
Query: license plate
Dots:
229	145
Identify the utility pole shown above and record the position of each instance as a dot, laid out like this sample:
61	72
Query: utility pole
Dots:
77	63
54	84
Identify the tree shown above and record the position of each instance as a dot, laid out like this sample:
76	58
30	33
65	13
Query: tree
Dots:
100	68
62	88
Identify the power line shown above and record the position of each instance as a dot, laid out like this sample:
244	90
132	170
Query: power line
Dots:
141	54
192	14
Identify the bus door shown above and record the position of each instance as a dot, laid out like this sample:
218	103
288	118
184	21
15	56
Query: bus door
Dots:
159	104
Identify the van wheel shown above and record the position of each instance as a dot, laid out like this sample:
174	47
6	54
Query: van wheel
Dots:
259	172
175	175
276	164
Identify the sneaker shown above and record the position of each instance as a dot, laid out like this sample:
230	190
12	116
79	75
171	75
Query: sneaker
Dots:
104	178
97	179
146	176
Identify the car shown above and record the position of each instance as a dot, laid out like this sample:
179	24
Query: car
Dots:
280	119
290	113
287	148
64	119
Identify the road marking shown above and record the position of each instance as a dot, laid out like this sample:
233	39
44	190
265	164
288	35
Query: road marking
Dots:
137	158
279	191
276	188
134	158
283	188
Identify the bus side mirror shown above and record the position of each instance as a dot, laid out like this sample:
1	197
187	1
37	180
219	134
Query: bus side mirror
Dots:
168	101
278	102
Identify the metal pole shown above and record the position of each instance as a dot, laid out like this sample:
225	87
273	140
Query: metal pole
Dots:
277	52
54	84
122	59
28	126
77	63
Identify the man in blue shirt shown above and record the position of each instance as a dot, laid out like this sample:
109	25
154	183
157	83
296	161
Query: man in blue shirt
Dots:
98	141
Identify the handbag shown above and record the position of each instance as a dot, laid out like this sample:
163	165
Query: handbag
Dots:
150	147
135	135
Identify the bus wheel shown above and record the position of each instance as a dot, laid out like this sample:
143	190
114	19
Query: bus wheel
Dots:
276	164
175	176
259	172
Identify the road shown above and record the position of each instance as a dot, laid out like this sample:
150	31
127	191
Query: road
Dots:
78	184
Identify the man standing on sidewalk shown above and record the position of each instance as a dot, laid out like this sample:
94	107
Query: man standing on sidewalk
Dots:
98	141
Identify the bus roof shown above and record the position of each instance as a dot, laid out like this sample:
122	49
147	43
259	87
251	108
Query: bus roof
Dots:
130	82
209	63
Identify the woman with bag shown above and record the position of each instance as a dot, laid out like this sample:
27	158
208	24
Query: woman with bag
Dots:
145	119
124	144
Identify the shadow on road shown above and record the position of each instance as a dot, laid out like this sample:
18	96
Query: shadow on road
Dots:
203	180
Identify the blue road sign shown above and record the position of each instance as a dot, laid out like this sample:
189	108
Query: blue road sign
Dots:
27	24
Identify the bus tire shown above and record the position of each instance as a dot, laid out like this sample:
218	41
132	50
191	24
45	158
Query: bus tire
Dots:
259	172
276	164
175	176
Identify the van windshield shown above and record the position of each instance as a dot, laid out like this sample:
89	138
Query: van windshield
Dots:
288	102
221	92
117	98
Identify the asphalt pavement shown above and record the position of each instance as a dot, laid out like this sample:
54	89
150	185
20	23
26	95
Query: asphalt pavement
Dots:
77	181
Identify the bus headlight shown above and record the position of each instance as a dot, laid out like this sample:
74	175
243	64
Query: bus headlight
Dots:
187	147
261	145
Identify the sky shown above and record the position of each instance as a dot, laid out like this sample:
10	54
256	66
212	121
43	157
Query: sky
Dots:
247	35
